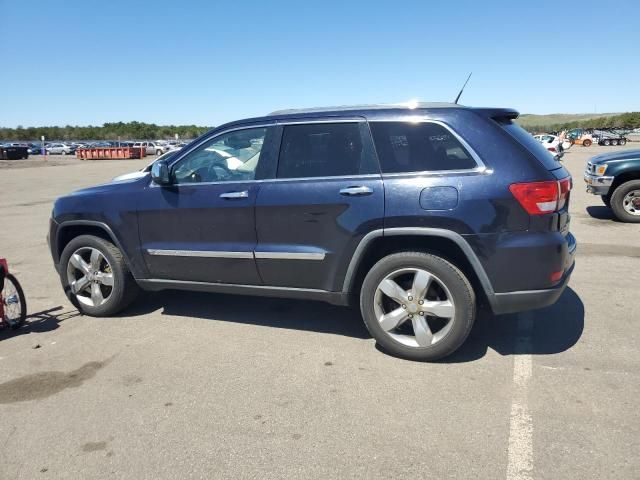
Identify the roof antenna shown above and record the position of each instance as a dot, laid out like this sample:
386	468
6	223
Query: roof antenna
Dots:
462	89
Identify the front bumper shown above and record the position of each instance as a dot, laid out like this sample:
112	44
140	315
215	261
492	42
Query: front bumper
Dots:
52	241
598	185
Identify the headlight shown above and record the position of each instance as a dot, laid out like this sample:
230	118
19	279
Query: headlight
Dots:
600	169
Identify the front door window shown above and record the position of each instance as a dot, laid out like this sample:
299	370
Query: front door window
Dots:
232	156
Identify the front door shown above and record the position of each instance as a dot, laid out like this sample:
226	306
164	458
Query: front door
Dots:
202	226
327	195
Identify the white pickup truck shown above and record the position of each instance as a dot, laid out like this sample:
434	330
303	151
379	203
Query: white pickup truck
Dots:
153	148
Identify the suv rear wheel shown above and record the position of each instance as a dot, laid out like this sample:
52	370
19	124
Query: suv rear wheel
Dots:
417	305
95	276
625	202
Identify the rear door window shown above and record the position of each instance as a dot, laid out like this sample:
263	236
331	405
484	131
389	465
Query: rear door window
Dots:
325	150
419	147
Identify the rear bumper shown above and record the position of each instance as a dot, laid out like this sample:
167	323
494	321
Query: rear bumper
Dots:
512	302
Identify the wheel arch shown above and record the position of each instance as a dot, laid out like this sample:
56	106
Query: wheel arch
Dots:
71	229
624	177
445	243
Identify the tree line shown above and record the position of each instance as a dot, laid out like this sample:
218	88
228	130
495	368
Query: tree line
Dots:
141	130
629	121
108	131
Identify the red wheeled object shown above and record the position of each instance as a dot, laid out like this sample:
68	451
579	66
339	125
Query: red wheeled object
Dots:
13	305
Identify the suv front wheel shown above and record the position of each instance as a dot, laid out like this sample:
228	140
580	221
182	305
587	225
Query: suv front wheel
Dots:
625	202
417	305
95	276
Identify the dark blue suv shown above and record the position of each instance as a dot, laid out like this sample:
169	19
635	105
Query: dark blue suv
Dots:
417	212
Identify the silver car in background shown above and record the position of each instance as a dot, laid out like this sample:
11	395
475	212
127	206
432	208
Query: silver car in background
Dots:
60	149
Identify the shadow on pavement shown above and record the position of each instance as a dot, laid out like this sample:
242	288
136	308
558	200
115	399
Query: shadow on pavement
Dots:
601	213
262	311
44	321
555	329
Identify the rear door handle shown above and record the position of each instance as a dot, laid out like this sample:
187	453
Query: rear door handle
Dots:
232	195
362	190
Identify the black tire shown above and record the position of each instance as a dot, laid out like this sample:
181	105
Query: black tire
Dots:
606	199
16	322
617	199
458	285
158	152
586	143
124	290
614	142
623	141
606	143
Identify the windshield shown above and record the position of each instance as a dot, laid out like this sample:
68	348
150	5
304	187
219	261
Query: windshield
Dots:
168	157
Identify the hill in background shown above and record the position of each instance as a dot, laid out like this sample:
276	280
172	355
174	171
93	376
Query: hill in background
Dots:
526	120
560	121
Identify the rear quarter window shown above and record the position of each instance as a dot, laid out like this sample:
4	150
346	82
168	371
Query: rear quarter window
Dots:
419	147
525	139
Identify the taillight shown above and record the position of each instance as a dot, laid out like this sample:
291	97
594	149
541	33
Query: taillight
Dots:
556	276
538	198
565	187
552	149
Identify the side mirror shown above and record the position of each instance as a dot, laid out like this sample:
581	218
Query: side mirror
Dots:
160	173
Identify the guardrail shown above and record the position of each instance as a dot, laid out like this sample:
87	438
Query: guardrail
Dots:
110	153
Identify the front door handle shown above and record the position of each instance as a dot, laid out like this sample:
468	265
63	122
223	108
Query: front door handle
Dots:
362	190
232	195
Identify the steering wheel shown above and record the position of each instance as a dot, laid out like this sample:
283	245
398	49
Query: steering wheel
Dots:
213	171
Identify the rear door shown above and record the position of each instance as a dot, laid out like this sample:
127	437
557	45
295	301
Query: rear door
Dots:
327	195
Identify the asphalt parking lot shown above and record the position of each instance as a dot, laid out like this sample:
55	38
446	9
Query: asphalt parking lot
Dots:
187	385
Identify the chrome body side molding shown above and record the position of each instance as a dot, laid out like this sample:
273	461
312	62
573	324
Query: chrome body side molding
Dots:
236	254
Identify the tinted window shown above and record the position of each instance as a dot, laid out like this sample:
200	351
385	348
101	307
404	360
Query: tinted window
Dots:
232	156
530	143
418	147
324	150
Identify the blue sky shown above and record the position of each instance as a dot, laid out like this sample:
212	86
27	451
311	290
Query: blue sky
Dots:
207	62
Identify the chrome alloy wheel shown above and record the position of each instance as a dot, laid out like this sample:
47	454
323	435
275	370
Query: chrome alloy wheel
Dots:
631	202
90	276
414	307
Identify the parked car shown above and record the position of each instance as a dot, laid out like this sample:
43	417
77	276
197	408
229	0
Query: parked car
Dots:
616	178
35	148
152	148
415	214
60	149
552	143
11	151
